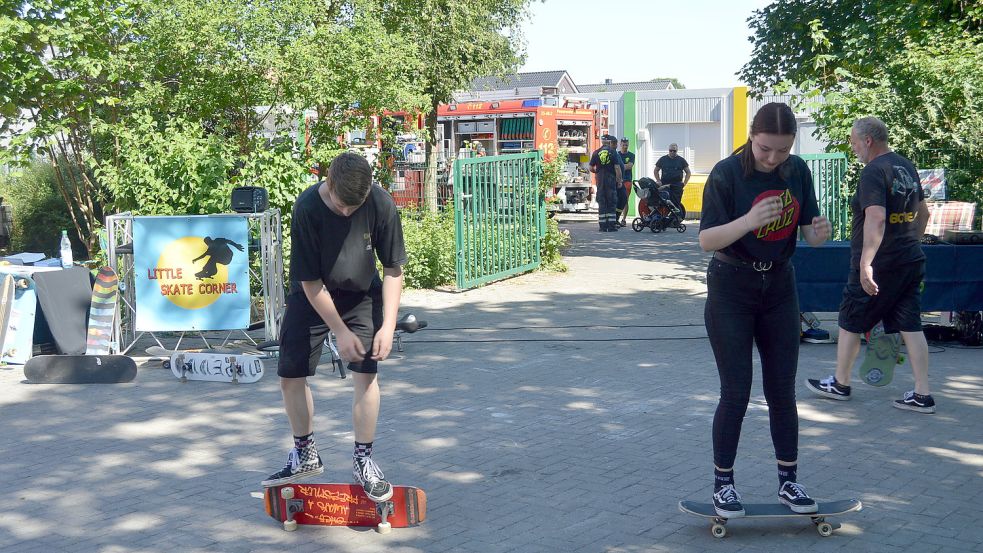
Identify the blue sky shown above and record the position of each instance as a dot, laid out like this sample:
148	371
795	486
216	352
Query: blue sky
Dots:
700	42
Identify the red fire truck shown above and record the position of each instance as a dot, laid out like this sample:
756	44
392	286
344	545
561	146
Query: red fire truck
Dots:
514	126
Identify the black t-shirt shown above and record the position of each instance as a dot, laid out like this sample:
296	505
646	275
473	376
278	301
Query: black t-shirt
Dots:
729	196
627	157
606	158
890	181
341	251
672	169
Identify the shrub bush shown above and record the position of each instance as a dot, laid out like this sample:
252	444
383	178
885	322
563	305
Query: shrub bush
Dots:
37	209
429	239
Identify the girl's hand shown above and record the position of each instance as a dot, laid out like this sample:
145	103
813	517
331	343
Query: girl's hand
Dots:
765	212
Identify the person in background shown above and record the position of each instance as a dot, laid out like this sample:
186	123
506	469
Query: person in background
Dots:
624	192
887	264
673	170
606	165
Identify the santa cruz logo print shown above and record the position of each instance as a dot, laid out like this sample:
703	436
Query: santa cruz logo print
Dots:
785	225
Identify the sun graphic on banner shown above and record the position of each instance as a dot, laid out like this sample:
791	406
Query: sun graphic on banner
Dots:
179	284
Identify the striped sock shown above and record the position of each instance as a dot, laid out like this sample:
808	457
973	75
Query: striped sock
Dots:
363	449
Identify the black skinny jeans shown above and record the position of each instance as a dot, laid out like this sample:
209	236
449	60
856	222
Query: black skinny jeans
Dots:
745	306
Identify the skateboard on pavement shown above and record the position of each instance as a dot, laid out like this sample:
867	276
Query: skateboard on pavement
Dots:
344	505
772	510
883	353
216	367
158	351
102	312
80	369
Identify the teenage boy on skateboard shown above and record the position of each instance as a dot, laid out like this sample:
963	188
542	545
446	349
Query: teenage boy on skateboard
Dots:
340	227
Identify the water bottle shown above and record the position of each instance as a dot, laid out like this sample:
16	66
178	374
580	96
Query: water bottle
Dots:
66	250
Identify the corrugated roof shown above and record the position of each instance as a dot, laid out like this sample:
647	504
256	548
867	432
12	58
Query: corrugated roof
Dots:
661	84
519	80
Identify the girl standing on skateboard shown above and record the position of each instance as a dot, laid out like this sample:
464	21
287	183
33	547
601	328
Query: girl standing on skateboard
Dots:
753	204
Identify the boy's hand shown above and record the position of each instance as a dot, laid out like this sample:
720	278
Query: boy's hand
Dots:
382	344
349	346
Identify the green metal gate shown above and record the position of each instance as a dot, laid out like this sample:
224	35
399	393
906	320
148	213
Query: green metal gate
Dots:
828	180
499	217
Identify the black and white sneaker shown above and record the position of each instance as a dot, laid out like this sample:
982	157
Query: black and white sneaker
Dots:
727	502
373	481
829	387
916	402
794	496
296	469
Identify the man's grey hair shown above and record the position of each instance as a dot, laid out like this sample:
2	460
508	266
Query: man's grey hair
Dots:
872	127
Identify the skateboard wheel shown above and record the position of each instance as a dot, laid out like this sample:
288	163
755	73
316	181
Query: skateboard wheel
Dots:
825	529
287	493
384	528
718	530
289	525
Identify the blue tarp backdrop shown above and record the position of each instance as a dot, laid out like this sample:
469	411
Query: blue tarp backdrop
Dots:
953	276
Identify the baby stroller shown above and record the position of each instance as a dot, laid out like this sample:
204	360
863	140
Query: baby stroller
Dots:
658	210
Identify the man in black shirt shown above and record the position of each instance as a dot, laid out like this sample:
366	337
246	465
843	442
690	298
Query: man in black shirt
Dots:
628	158
887	264
675	172
339	228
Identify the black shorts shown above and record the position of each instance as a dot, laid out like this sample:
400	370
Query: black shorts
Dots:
897	303
303	333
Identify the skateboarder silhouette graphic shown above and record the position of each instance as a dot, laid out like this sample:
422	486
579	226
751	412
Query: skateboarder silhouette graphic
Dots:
218	251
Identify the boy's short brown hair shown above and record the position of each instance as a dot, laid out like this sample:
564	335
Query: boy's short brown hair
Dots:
350	178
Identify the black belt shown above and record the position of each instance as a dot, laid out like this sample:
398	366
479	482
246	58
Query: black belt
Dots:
760	266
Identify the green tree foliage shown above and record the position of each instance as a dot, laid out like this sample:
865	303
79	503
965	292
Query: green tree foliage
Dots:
156	106
38	210
456	42
916	65
811	40
675	82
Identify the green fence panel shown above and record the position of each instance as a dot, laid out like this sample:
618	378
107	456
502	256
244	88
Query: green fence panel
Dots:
499	217
828	176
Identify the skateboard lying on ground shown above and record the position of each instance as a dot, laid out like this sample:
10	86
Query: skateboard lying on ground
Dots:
80	369
344	505
216	367
158	351
883	353
772	510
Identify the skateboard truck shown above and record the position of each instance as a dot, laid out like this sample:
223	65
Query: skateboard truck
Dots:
385	510
236	369
294	506
180	363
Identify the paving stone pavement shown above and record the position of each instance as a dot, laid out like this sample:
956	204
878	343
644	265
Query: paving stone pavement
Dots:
547	413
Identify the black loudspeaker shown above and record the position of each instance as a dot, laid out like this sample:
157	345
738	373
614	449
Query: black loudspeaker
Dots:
250	199
974	237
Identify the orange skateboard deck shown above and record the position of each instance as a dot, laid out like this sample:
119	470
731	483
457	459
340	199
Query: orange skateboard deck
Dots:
344	505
